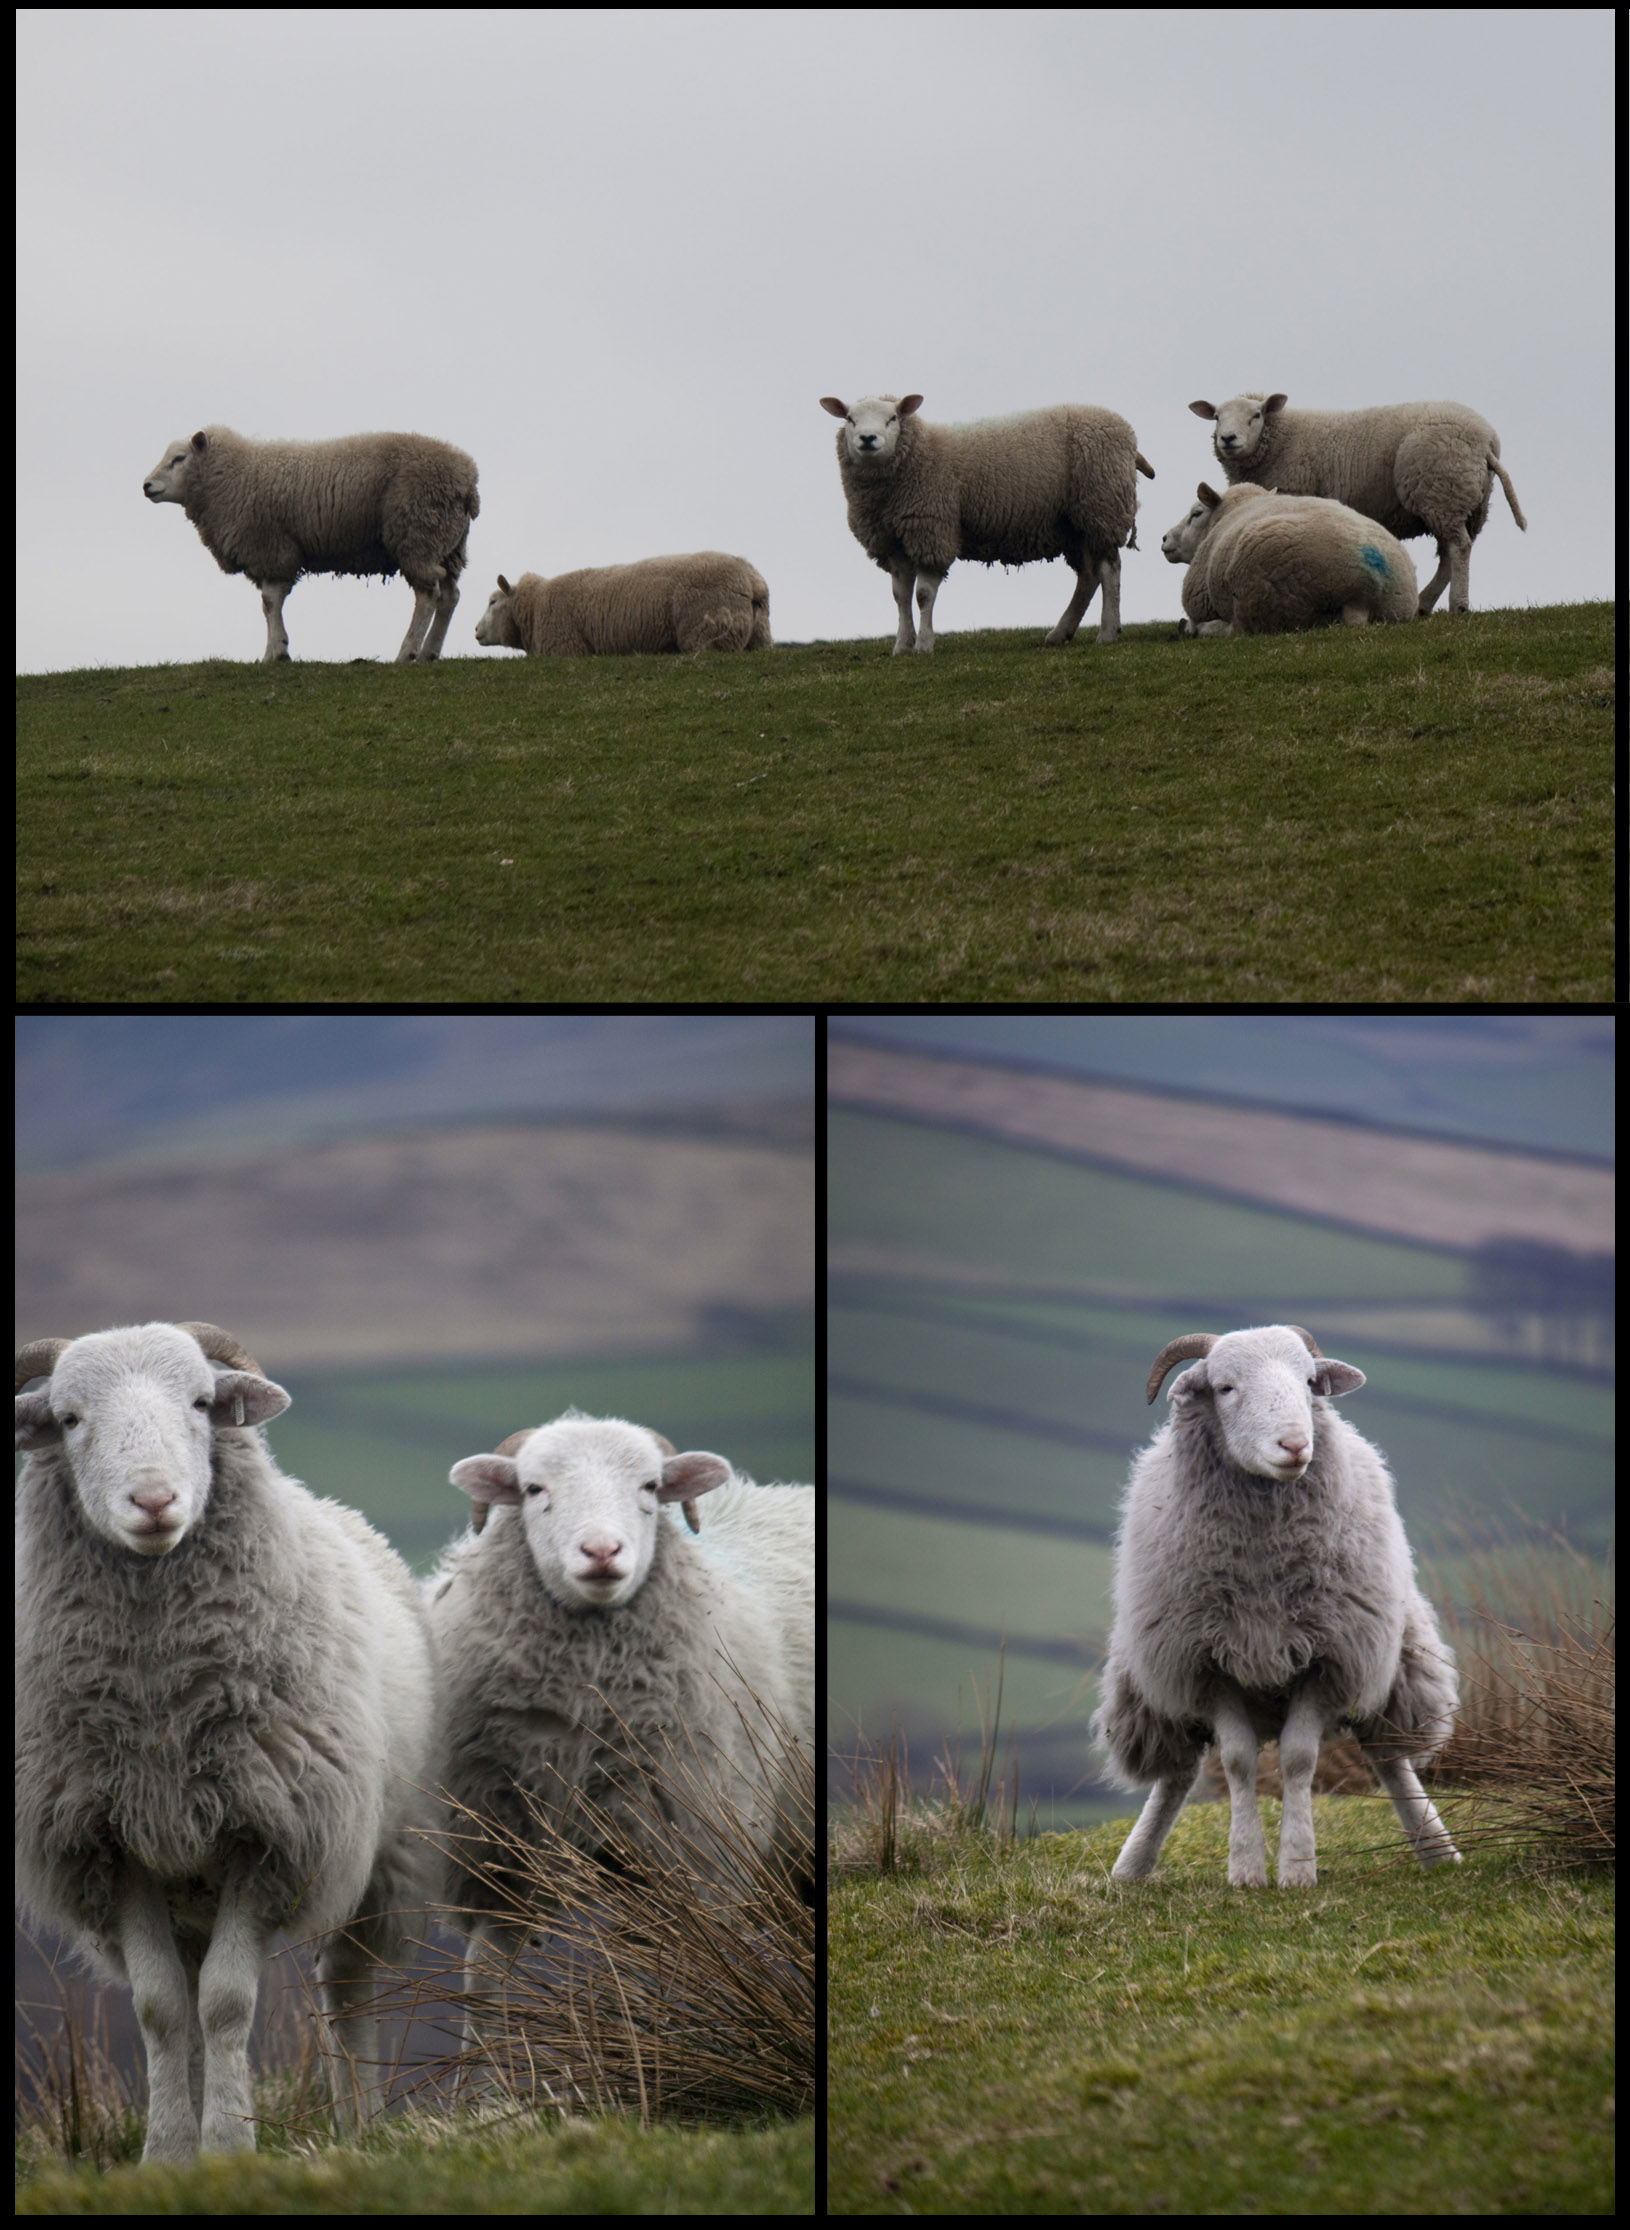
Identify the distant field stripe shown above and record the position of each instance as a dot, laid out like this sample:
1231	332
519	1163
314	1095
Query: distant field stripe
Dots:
966	1513
981	1413
968	1637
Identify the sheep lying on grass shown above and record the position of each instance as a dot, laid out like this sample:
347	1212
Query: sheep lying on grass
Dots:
704	601
369	503
1005	491
1415	468
1260	564
1263	1587
224	1699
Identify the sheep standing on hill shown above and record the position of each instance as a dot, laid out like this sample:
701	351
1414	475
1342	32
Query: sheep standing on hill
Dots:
1415	468
1005	491
1260	564
703	601
1263	1587
370	503
589	1645
224	1698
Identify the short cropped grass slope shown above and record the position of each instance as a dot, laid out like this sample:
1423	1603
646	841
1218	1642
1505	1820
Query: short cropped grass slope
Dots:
1021	2035
1411	813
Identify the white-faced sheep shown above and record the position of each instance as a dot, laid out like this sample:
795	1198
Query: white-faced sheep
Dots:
701	601
1263	1587
1260	563
1415	468
370	503
224	1696
1004	491
588	1644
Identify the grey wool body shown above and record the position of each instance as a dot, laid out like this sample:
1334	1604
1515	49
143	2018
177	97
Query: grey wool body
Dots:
1264	1589
367	504
1261	564
701	600
1059	482
1414	468
224	1700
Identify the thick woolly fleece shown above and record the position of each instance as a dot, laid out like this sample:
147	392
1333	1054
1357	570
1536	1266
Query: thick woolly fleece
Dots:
1221	1574
1266	564
534	1692
266	1685
703	600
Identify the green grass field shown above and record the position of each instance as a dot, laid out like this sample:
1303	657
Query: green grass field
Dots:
1413	813
1021	2035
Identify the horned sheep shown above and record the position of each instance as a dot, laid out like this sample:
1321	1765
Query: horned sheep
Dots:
224	1698
590	1646
1264	1587
366	504
1414	468
1260	564
1049	483
700	601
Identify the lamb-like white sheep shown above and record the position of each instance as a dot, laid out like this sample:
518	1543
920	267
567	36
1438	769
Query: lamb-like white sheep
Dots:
701	601
1263	1587
1004	491
370	503
1415	468
224	1698
585	1638
1261	563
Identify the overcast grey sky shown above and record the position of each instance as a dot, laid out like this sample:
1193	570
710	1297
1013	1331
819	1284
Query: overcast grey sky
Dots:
618	256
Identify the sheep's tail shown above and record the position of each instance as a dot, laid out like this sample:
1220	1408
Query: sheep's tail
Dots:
1144	466
1510	492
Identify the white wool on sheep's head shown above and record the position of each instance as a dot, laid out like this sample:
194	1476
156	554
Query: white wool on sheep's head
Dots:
1179	543
871	429
134	1411
167	482
1241	422
1261	1384
590	1490
494	627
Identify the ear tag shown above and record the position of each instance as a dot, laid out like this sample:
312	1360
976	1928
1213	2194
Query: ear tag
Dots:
238	1406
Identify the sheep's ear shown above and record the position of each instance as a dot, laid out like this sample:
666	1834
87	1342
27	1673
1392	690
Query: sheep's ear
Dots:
200	442
36	1427
910	403
245	1398
1188	1383
1208	496
1275	402
504	586
831	403
1331	1377
487	1478
685	1477
1204	410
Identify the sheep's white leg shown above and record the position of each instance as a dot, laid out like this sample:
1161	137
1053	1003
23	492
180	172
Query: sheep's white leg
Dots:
1355	615
164	2008
1417	1814
228	1985
489	1955
424	611
345	1974
1161	1807
1109	611
272	594
928	587
1214	627
446	605
1460	570
1237	1746
1298	1755
1086	588
1436	585
904	578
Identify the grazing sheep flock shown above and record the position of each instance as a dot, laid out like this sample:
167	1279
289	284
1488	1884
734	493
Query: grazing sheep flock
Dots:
1006	491
591	1650
225	1709
704	601
1264	1588
1261	563
370	503
1414	468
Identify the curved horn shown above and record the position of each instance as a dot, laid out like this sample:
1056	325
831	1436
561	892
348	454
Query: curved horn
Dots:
1179	1351
481	1511
221	1347
1312	1343
38	1360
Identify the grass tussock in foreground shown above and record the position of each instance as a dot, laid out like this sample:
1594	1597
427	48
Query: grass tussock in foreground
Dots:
1400	813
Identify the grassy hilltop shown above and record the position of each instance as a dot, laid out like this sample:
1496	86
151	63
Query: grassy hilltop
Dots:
1412	813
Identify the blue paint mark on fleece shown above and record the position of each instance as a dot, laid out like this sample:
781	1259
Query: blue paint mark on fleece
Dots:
1369	555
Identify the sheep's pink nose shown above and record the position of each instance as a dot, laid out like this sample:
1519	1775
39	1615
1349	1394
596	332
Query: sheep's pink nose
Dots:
153	1500
1294	1446
601	1553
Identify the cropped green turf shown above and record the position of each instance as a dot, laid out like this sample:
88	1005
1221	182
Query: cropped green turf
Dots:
1398	813
1018	2034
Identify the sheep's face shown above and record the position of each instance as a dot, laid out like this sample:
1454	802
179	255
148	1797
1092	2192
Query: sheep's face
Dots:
134	1412
496	627
590	1490
1179	543
167	482
1241	423
1261	1386
871	427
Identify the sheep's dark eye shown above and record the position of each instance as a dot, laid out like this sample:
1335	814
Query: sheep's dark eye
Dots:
534	1490
72	1418
202	1402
